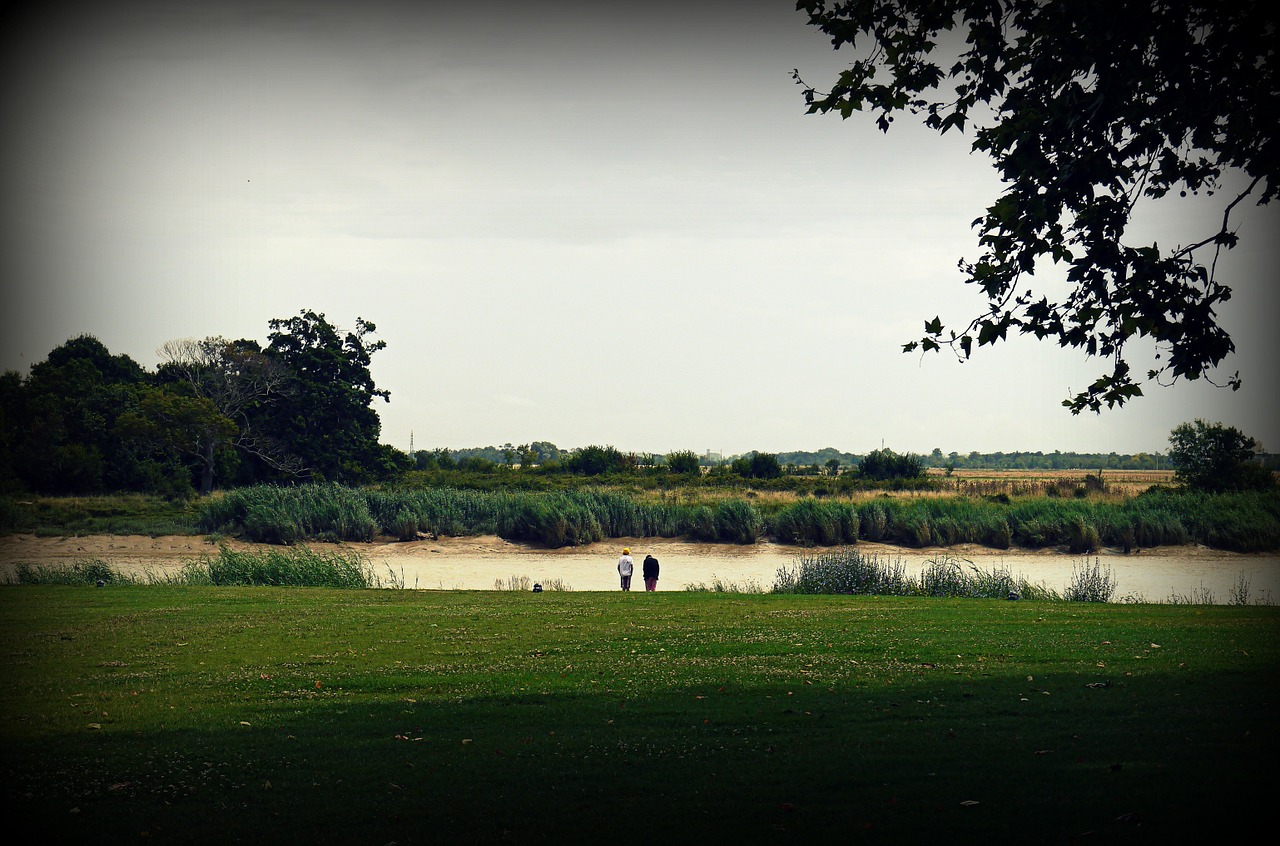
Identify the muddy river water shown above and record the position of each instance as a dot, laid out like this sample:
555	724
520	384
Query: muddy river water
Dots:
477	563
1151	578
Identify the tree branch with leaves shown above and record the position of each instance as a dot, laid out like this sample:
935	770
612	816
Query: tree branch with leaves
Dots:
1088	109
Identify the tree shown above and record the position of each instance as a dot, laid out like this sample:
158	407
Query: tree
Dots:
598	460
758	465
1213	457
60	418
324	415
236	378
683	462
1086	107
882	464
168	422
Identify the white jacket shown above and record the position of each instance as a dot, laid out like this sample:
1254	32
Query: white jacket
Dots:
626	566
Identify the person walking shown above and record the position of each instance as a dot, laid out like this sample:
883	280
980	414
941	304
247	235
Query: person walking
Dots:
626	566
650	573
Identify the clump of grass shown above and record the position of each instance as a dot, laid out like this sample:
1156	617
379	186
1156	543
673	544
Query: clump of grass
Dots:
737	521
1081	536
811	522
1197	596
1240	590
718	585
524	583
90	571
845	571
948	576
294	567
1091	583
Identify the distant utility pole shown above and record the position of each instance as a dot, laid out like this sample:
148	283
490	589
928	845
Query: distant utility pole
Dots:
411	442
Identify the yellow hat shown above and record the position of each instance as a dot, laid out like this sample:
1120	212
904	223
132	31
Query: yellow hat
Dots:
626	551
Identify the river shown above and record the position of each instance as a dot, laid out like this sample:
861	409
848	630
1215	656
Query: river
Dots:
477	563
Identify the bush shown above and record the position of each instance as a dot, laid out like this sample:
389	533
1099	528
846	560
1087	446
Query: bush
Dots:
844	571
882	464
683	462
1091	583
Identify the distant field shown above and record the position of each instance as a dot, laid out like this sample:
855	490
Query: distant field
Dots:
1040	482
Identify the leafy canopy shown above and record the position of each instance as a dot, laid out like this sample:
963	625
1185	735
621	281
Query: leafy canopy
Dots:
324	414
1086	107
1213	457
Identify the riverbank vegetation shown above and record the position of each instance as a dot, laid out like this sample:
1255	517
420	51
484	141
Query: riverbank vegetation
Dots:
336	716
1243	522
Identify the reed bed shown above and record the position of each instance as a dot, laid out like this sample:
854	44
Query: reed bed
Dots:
288	515
90	571
1245	522
848	571
294	567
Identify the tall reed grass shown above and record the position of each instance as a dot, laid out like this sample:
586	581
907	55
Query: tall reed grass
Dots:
295	567
1245	522
91	571
849	571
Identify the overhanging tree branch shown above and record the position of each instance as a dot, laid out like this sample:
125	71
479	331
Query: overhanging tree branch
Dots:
1086	109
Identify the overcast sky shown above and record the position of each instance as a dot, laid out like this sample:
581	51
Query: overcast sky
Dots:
578	222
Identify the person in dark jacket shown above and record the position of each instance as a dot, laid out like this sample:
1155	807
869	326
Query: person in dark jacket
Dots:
650	573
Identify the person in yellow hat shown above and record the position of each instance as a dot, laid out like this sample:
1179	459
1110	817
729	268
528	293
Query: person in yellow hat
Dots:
626	566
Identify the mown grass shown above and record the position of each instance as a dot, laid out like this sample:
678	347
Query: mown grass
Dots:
289	716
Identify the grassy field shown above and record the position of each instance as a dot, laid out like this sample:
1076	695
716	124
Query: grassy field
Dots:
271	715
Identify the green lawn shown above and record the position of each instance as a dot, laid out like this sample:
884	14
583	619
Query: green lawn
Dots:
271	715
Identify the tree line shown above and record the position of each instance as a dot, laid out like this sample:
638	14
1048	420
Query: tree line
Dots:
214	413
218	413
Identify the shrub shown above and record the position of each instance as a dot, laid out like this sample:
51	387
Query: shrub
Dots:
683	462
843	571
1090	583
